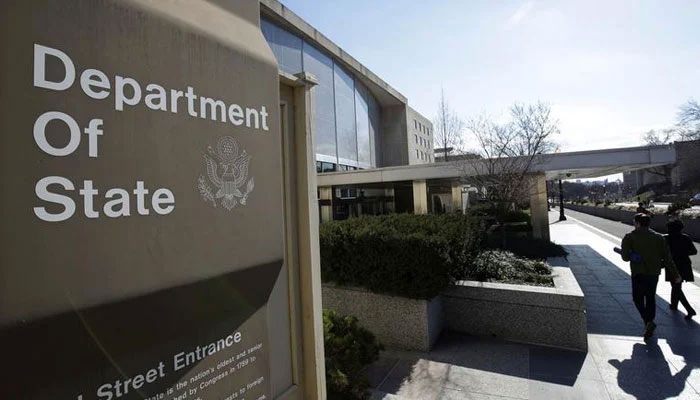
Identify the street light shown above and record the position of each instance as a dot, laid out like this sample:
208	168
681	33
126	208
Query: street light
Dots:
562	217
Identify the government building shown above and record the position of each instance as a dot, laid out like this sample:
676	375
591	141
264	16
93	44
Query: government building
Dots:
360	122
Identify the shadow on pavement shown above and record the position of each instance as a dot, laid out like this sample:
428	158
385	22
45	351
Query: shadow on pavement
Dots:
646	374
492	366
645	379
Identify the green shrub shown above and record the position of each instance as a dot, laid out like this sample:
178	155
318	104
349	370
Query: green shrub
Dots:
414	256
516	216
349	350
528	247
506	267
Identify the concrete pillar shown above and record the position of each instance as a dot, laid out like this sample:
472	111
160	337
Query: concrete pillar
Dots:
539	217
420	197
313	360
456	196
325	203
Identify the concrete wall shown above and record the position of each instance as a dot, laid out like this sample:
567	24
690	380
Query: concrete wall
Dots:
539	315
393	143
658	221
397	322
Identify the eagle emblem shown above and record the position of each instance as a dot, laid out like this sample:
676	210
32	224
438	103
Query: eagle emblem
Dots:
227	172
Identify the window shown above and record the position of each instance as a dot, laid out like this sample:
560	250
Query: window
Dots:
321	67
327	167
416	137
318	166
364	141
415	124
285	45
346	133
417	154
342	167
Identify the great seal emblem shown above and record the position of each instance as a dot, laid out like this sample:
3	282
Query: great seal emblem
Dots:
231	179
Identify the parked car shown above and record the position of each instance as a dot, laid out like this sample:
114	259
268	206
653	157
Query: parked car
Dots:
695	200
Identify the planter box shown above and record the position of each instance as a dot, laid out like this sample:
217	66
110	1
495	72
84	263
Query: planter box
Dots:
397	322
532	314
538	315
658	221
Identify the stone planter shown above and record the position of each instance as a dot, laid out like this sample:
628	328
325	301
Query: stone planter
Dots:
397	322
538	315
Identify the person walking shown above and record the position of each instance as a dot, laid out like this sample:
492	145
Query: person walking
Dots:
647	252
641	209
681	247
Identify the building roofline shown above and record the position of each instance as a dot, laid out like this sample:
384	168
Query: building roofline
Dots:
282	14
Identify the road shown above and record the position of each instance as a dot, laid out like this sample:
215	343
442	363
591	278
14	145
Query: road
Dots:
618	230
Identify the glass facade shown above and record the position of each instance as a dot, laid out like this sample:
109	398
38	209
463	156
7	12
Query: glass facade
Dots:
347	118
364	145
321	67
286	46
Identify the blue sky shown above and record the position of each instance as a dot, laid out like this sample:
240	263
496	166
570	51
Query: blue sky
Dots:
610	69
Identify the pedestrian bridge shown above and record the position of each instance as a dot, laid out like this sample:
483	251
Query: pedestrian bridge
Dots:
438	187
572	165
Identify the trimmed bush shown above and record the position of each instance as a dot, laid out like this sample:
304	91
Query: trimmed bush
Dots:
516	216
414	256
349	350
538	249
506	267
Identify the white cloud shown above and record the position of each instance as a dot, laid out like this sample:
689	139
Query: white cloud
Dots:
520	13
592	127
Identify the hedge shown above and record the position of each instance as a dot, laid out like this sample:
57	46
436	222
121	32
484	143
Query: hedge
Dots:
349	350
414	256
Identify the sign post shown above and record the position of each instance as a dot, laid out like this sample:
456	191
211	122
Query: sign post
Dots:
142	202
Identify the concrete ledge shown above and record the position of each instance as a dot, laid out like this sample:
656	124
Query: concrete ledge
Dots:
658	221
397	322
539	315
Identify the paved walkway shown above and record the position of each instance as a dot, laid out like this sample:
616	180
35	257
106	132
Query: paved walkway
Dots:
618	365
617	230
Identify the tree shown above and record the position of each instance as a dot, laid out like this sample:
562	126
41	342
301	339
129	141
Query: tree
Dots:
657	138
689	120
509	152
448	127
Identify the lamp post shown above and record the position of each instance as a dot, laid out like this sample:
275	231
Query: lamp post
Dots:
561	202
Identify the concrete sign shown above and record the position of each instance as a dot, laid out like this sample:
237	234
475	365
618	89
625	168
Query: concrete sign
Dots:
142	204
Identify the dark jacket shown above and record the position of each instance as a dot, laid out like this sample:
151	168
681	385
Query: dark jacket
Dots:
653	251
682	248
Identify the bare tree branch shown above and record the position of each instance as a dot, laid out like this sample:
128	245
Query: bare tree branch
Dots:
509	152
448	127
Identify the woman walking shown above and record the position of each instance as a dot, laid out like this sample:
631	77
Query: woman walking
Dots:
681	249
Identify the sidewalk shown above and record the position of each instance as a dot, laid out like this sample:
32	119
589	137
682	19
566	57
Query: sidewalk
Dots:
618	365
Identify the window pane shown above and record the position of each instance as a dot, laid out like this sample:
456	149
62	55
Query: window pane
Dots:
321	67
364	153
285	45
345	116
375	120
